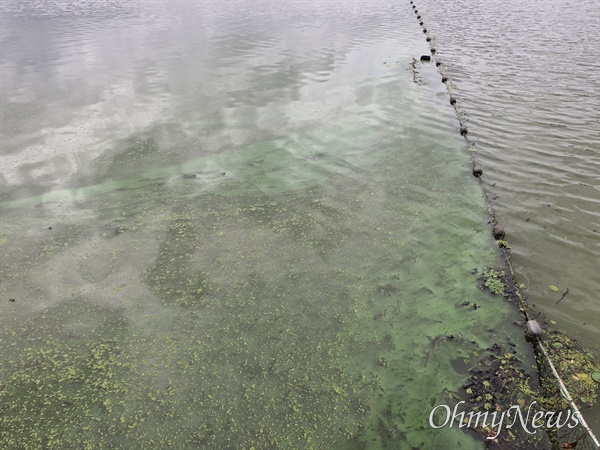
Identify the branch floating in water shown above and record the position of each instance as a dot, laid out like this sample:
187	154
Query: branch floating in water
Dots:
563	296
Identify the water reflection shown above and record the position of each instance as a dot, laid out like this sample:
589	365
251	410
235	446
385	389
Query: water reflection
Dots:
235	224
205	73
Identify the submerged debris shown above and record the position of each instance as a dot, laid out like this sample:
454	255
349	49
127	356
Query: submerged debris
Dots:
497	383
576	368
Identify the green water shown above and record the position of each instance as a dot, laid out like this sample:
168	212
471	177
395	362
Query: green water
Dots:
300	287
291	318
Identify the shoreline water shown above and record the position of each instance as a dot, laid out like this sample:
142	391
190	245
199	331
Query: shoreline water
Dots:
294	268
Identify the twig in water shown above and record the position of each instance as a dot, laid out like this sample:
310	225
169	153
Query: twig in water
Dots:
563	296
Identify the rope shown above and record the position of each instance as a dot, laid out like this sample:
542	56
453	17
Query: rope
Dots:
565	393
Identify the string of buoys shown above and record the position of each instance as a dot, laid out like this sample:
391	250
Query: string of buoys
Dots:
463	130
499	234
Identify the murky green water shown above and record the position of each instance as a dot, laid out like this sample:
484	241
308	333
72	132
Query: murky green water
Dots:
525	75
232	226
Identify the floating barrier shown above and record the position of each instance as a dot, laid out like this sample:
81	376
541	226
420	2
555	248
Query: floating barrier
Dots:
573	439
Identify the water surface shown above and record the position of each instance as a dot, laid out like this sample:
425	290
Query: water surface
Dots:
234	225
525	75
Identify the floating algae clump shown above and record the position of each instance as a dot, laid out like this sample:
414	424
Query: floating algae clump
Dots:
53	387
494	281
575	367
499	382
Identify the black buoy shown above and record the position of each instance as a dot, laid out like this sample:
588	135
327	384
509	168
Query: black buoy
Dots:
477	172
425	58
534	328
421	23
419	17
433	51
444	79
438	63
424	30
498	232
452	100
428	39
463	130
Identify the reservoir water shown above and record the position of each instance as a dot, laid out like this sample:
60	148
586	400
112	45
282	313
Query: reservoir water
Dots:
525	75
251	225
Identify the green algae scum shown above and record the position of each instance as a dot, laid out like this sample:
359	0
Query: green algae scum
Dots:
316	317
297	259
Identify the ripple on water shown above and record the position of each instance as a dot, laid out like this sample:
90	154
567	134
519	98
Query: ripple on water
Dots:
526	75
